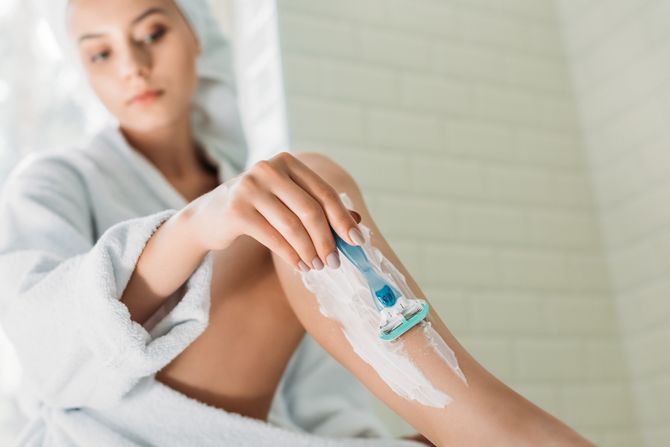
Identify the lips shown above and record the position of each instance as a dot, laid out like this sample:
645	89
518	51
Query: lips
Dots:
146	97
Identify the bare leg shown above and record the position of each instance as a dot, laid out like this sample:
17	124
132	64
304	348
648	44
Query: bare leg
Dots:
486	412
237	362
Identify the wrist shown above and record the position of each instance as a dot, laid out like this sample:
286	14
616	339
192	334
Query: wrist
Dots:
190	221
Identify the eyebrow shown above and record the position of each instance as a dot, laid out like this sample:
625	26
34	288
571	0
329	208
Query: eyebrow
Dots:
135	21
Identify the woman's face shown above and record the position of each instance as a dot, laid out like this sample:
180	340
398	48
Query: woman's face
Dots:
139	56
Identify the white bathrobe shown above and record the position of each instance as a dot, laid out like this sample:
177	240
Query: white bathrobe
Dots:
73	223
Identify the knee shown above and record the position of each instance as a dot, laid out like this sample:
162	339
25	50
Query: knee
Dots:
333	173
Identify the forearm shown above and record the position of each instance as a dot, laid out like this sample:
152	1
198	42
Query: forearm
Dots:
169	258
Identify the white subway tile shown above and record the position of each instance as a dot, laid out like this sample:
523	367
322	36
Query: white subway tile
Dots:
597	404
432	94
368	11
364	84
392	49
311	34
424	17
549	359
448	177
461	265
470	63
409	132
309	118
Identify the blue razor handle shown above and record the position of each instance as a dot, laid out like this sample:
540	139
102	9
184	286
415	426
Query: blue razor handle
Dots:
386	294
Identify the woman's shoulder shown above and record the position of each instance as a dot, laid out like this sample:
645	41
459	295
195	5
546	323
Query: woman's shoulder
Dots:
52	168
58	168
62	172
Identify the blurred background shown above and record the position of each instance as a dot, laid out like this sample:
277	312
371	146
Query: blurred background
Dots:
516	153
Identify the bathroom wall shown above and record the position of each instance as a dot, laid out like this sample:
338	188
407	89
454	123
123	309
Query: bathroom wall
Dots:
619	52
459	121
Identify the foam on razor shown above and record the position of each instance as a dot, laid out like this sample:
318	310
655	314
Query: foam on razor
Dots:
344	296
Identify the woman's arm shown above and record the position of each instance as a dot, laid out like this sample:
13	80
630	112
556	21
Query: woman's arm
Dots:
61	286
278	202
483	412
169	258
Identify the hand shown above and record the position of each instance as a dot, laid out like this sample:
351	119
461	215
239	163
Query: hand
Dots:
282	204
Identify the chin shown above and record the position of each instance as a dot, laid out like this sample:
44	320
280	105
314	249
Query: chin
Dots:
150	122
166	112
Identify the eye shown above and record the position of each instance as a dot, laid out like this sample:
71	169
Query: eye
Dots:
155	36
100	56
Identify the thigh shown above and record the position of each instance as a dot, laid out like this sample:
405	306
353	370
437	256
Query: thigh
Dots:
237	362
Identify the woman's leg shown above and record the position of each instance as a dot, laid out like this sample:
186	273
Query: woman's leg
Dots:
484	412
237	362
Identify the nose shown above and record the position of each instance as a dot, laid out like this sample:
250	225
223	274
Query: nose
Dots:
135	61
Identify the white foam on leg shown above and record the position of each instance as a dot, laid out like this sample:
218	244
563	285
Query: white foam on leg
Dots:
343	295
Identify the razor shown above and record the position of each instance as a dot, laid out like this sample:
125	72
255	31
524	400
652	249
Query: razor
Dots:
398	314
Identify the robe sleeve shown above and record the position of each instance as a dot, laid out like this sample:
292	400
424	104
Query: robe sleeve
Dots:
60	302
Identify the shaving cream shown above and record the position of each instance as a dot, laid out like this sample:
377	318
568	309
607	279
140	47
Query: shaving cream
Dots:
344	296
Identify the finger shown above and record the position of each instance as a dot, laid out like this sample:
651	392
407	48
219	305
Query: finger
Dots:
261	230
311	214
337	214
290	226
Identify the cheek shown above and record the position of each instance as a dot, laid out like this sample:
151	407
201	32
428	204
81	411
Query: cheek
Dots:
108	90
178	63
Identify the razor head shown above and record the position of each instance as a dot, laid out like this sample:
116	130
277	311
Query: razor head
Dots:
405	325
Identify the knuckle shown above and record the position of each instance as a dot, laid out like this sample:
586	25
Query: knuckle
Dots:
284	157
237	205
312	213
267	169
310	157
293	227
328	193
263	166
282	245
247	182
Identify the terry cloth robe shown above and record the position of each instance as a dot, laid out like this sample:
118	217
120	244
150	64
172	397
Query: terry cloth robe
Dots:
73	224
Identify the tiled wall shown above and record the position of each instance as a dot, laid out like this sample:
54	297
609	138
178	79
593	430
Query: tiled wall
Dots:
620	51
459	121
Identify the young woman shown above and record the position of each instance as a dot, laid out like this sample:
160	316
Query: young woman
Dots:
151	285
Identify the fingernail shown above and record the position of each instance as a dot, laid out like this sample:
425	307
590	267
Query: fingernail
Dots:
317	264
303	266
356	236
333	260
